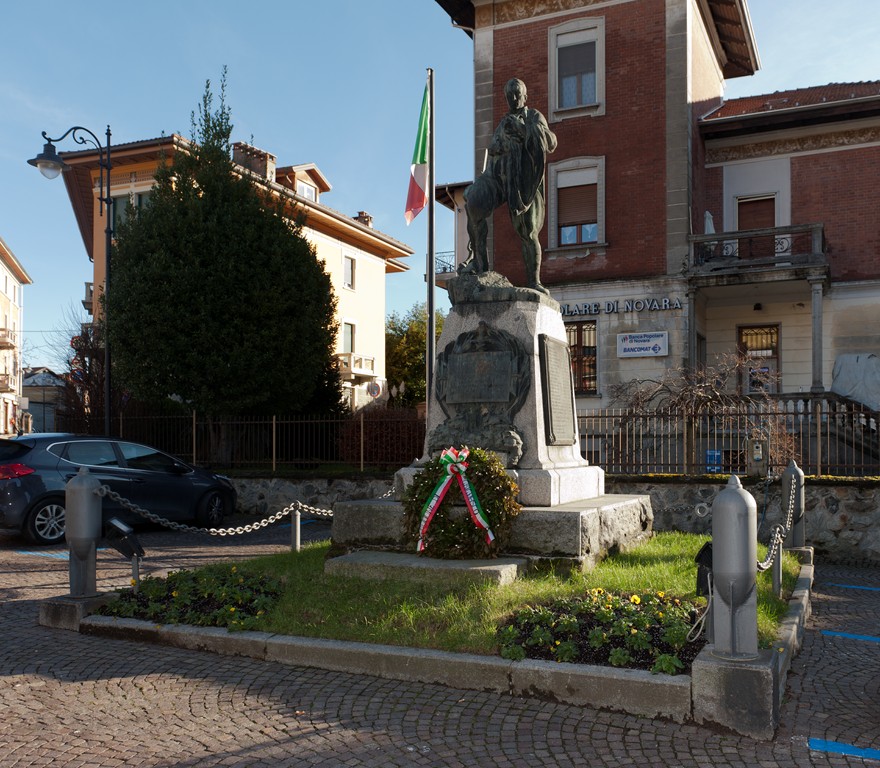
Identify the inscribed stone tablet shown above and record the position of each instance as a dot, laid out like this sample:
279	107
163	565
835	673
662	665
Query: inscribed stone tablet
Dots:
559	420
479	377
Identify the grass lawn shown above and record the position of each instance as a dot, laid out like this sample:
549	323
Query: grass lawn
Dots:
304	601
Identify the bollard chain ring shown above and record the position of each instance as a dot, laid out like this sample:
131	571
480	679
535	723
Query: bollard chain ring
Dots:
154	518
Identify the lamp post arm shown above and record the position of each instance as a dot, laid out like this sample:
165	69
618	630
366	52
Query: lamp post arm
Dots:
84	136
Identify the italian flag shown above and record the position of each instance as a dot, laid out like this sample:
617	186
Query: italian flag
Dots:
417	197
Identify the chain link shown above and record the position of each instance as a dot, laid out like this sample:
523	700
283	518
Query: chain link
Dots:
152	517
777	538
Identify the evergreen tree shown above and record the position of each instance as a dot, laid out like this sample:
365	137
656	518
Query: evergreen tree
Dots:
217	297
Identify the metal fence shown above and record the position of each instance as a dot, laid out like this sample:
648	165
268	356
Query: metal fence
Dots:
369	439
824	435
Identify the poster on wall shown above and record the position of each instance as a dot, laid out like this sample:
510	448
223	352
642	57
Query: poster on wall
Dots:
649	344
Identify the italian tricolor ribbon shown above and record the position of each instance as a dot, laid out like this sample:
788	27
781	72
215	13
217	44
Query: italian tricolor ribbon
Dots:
455	463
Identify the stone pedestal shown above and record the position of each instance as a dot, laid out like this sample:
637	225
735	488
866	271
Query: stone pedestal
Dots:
503	383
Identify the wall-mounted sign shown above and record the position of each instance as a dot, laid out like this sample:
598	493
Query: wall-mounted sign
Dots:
617	305
649	344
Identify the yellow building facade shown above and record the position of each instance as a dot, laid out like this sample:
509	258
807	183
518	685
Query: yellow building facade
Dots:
356	256
13	278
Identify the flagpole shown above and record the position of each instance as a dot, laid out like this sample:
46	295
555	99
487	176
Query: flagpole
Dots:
430	277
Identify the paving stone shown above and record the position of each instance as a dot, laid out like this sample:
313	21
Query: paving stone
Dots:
71	699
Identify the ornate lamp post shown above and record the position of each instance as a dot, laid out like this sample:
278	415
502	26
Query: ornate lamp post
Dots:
51	165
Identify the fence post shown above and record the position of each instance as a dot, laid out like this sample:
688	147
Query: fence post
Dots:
274	442
362	439
794	476
734	573
194	436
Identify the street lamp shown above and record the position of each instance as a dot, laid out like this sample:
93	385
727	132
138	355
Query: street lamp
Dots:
51	166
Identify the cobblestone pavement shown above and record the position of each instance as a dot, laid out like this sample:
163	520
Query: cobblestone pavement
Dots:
73	700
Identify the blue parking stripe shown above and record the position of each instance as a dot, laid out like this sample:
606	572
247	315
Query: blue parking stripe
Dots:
855	586
65	555
849	636
820	745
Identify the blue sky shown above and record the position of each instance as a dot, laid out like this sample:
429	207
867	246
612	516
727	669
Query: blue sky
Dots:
334	82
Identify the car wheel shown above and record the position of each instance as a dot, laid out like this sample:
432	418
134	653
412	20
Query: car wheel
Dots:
45	522
212	509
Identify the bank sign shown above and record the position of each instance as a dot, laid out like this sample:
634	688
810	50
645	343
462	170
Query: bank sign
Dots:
651	344
619	305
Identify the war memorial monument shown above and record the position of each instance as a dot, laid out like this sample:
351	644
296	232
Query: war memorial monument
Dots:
503	383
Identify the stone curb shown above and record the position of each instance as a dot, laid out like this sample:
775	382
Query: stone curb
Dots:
635	692
626	690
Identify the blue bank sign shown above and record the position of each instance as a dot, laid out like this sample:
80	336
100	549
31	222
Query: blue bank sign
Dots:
650	344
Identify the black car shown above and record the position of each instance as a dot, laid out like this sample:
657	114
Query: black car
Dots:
34	470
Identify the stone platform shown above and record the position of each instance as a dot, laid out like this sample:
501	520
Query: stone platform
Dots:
575	535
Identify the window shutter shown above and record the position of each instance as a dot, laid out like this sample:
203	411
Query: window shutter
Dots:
577	205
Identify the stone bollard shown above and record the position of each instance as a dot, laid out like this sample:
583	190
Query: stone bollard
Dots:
82	531
734	573
794	475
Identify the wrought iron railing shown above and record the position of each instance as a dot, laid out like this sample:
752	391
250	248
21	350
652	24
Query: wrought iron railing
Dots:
823	434
444	262
778	245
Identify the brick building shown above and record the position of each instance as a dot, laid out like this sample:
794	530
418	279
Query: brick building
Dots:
681	227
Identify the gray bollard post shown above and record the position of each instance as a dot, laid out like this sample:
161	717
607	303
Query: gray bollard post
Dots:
82	531
734	573
794	475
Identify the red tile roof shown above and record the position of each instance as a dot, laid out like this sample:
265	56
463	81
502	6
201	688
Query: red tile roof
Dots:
799	97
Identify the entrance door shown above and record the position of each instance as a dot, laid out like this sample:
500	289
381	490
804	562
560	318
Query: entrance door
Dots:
756	213
759	344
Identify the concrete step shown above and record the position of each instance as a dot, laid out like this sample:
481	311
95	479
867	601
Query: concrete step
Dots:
382	565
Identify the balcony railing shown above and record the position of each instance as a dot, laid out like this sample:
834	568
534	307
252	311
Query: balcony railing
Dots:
7	338
353	365
7	382
88	301
777	246
444	262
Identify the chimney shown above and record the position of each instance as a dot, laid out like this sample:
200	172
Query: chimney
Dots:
364	218
255	160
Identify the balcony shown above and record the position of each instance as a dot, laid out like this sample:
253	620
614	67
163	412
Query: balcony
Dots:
787	249
444	267
7	338
7	382
88	301
356	367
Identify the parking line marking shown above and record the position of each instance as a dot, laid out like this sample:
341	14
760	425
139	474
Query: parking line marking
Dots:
855	586
55	555
849	636
820	745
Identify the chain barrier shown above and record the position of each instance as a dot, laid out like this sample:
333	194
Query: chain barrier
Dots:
297	506
777	538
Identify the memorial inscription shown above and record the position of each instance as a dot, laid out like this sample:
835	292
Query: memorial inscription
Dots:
559	419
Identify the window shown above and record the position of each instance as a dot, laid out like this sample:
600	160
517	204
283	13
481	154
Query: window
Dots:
577	69
760	345
348	272
141	457
348	337
582	343
576	202
121	203
307	191
93	453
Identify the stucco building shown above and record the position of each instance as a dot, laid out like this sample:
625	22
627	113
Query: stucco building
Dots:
356	256
13	278
681	227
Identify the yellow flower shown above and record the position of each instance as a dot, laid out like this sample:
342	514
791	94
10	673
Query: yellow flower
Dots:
661	594
634	631
234	569
133	582
174	593
660	614
232	609
635	600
